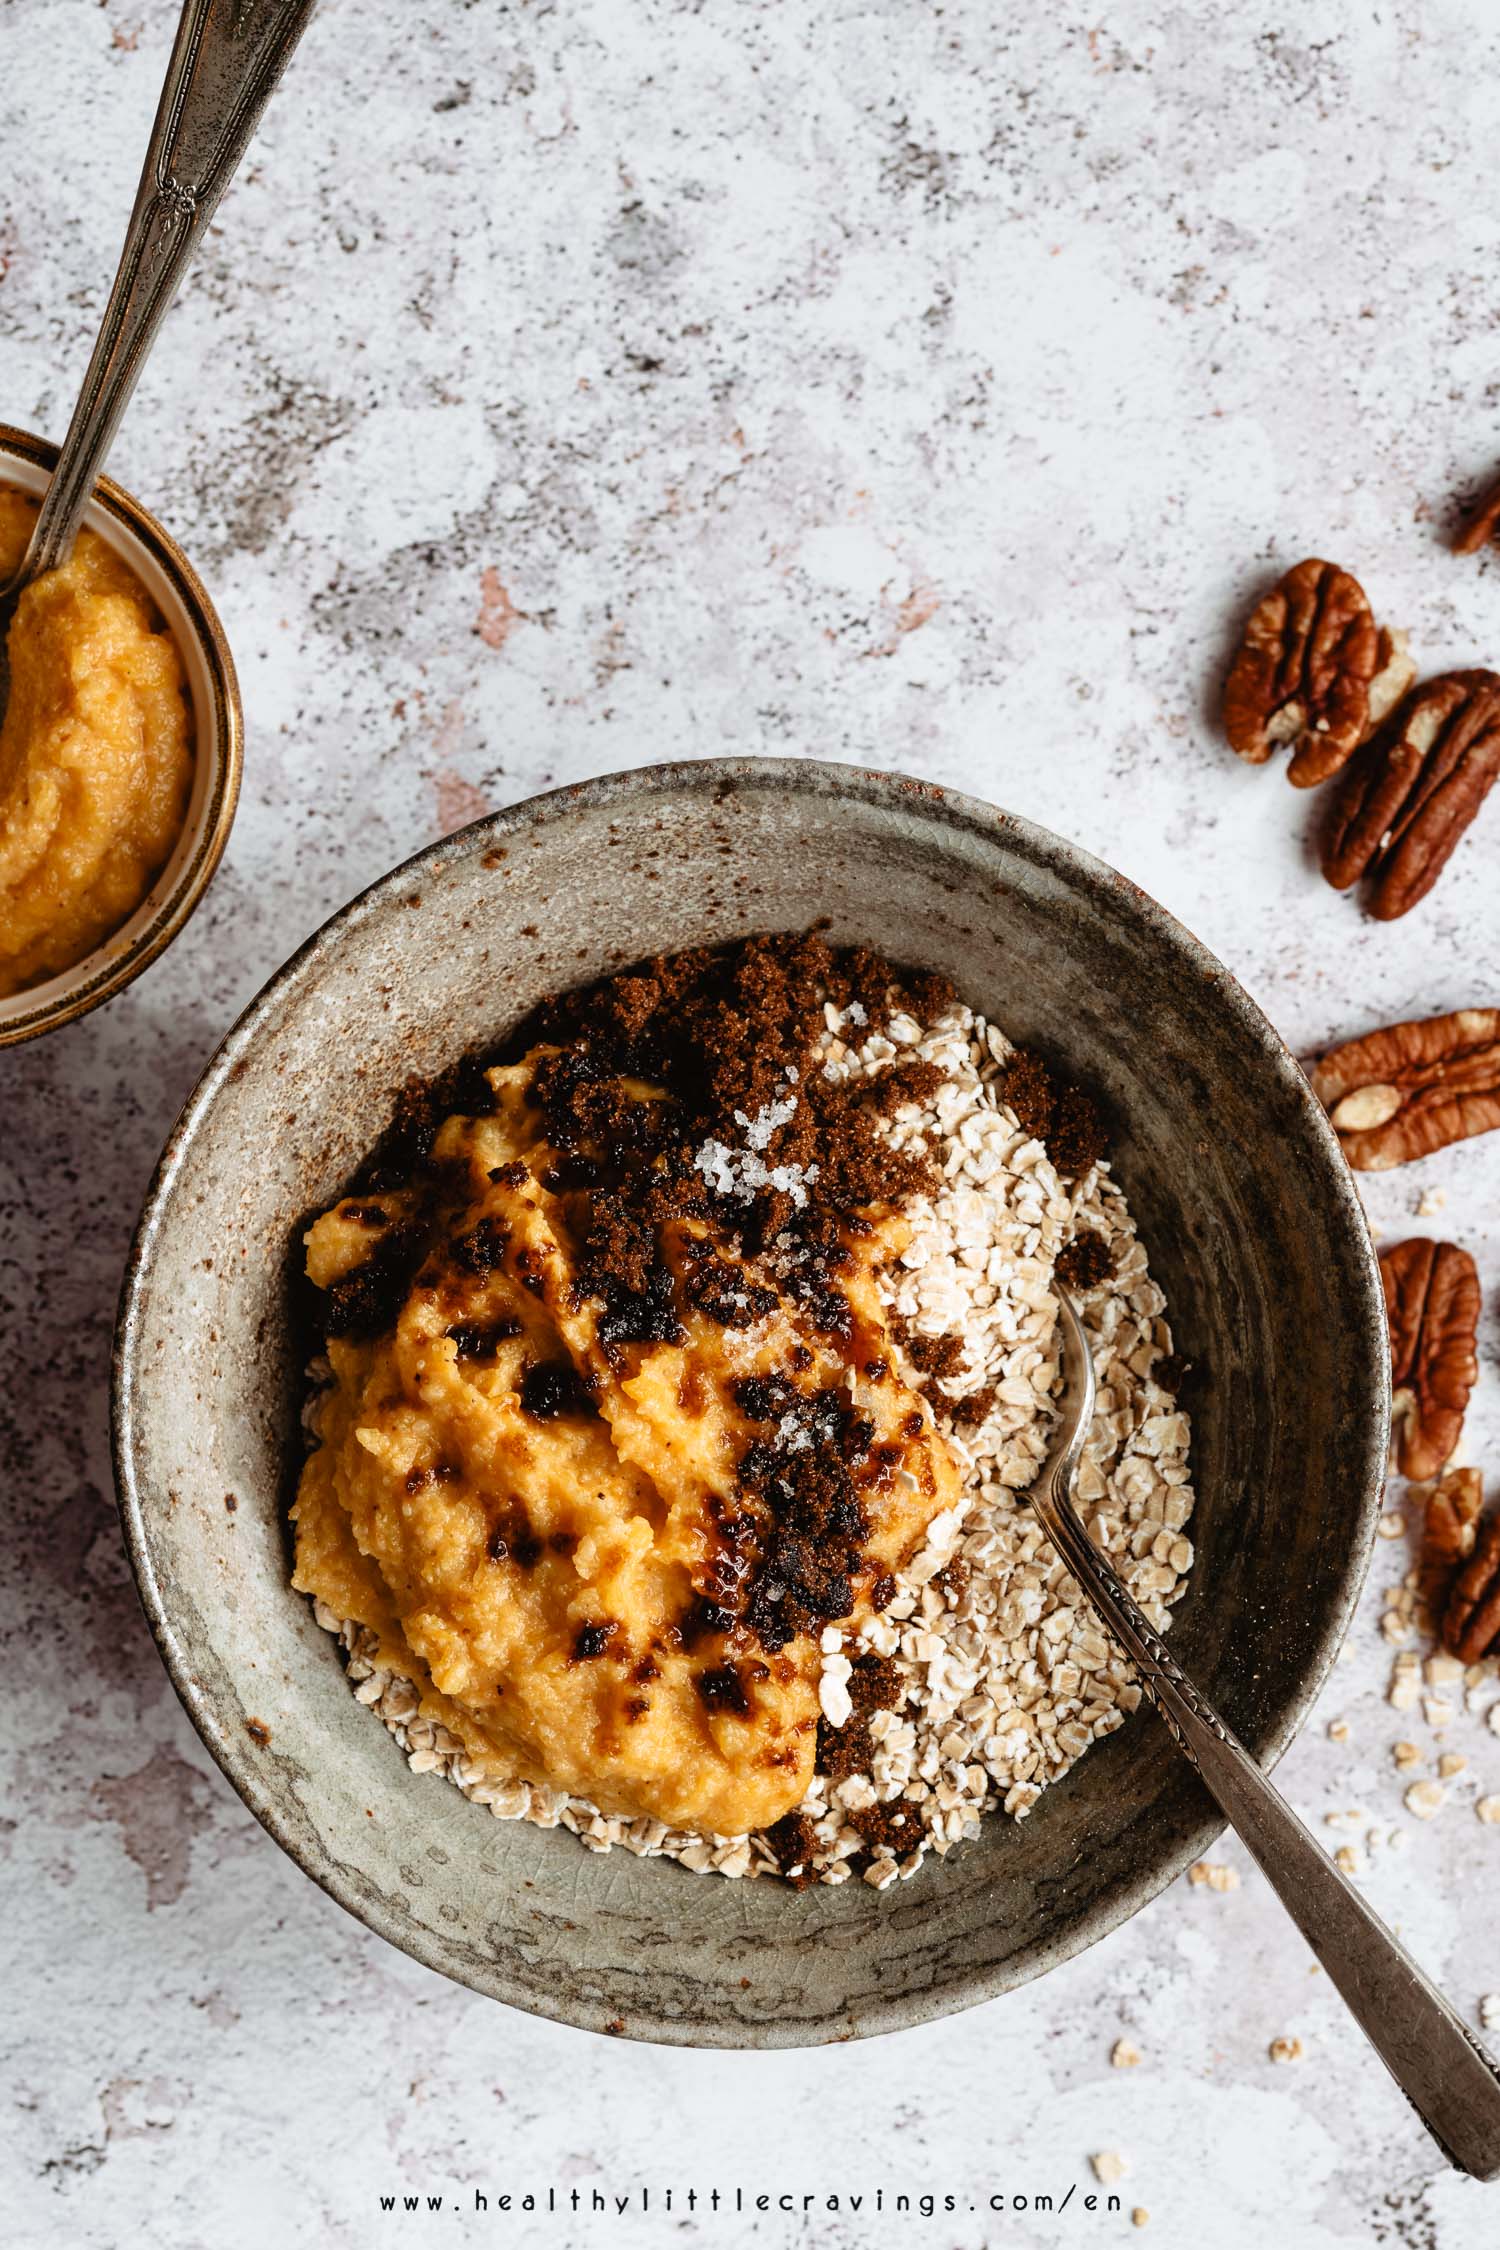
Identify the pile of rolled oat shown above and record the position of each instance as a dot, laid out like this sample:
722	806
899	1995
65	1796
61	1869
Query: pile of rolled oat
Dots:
986	1676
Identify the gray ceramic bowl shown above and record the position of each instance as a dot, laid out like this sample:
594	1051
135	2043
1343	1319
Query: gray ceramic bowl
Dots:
1252	1226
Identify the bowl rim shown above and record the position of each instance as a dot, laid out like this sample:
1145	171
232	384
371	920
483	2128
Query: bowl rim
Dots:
955	808
101	974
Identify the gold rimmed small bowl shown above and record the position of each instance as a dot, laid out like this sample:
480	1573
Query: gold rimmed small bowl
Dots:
218	729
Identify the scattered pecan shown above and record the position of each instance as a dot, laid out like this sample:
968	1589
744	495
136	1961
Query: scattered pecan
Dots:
1448	1533
1480	527
1471	1623
1303	673
1432	1304
1402	1092
1408	797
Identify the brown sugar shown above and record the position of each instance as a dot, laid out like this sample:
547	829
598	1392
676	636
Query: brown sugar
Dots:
939	1357
1085	1262
1064	1117
1078	1138
893	1828
794	1841
844	1750
975	1407
1027	1087
874	1684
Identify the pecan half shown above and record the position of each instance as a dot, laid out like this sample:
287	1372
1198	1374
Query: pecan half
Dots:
1303	673
1410	795
1449	1529
1471	1623
1432	1305
1402	1092
1480	527
1395	671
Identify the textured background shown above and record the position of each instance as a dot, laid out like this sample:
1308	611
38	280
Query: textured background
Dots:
567	387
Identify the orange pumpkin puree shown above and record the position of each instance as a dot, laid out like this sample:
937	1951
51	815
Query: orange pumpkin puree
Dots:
95	754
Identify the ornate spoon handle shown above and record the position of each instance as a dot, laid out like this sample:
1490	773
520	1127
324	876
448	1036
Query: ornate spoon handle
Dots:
227	57
1435	2060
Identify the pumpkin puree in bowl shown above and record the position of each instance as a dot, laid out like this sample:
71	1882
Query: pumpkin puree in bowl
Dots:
95	754
550	1524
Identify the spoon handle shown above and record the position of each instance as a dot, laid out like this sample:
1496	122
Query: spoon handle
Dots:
227	56
1434	2059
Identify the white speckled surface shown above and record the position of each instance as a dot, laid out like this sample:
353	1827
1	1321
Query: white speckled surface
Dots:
568	387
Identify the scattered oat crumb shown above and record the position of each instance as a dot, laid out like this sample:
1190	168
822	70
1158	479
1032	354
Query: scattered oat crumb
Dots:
1339	1730
1437	1711
1213	1872
1124	2054
1488	1809
1451	1763
1139	2215
1424	1799
1397	1840
1392	1524
1347	1859
1406	1755
1109	2166
1286	2050
1489	2011
1442	1670
1492	1718
1430	1202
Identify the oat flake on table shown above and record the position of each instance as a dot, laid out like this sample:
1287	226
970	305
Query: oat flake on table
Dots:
1008	1678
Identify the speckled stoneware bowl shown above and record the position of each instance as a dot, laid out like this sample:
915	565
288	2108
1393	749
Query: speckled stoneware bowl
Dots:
1251	1222
213	691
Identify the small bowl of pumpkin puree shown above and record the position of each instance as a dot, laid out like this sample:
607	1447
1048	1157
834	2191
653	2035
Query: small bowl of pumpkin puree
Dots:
119	752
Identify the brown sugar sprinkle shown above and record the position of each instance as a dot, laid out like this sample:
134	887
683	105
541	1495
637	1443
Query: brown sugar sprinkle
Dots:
794	1842
874	1684
954	1577
973	1409
1078	1138
938	1357
591	1641
891	1828
844	1750
1085	1262
1065	1118
1028	1089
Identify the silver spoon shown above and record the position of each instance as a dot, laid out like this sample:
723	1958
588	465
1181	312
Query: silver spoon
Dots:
1439	2066
227	57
